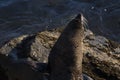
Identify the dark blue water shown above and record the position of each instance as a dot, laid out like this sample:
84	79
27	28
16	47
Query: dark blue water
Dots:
6	2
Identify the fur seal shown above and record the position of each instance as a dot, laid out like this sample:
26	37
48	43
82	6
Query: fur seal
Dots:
65	58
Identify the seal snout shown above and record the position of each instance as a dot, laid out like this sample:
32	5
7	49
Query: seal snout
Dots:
83	21
79	16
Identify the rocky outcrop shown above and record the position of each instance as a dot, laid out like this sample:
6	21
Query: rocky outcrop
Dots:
25	57
18	58
103	57
22	17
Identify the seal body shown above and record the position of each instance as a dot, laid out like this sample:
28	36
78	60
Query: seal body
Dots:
65	59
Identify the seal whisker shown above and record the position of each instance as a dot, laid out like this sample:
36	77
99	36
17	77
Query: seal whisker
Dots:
85	22
84	19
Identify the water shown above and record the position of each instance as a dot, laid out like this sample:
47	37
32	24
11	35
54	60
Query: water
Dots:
6	2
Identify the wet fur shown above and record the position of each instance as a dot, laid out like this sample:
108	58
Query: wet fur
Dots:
65	59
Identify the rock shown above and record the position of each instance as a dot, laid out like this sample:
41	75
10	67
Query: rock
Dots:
29	54
3	75
23	71
20	69
104	63
16	62
25	47
85	77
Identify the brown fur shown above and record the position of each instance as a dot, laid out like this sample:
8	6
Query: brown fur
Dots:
65	59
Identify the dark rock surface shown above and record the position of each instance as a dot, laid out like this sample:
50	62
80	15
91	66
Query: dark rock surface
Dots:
101	55
18	17
25	57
